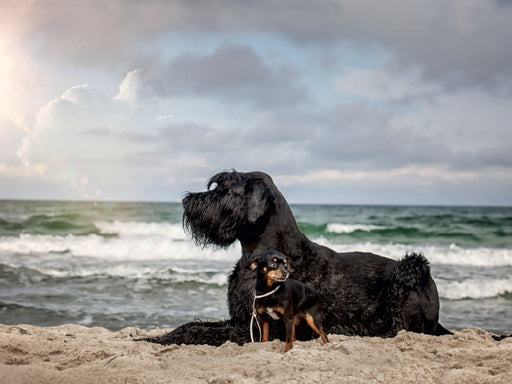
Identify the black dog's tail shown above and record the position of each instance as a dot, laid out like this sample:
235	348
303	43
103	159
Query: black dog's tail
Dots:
412	271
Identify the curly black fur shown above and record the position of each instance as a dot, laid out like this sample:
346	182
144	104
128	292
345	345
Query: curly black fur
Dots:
364	294
213	333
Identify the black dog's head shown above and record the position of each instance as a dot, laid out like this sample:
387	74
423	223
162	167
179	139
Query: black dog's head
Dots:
233	204
272	266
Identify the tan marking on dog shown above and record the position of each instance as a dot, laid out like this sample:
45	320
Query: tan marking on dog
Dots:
265	331
272	313
320	332
273	276
279	310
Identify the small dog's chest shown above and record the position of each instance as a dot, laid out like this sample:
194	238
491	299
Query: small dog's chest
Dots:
272	313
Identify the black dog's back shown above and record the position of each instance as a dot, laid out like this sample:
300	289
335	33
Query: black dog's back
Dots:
364	294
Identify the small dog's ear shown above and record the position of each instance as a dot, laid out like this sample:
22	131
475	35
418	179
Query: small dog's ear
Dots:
252	265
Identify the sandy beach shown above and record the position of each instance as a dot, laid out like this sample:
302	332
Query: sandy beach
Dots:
77	354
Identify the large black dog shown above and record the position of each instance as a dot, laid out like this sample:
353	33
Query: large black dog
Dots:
364	294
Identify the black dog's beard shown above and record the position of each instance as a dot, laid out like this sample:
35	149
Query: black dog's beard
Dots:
210	218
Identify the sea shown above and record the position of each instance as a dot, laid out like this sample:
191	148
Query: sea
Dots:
121	264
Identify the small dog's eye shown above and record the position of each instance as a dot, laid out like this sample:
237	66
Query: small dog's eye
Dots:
272	265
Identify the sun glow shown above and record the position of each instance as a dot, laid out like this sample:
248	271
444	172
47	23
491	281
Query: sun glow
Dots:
11	75
18	72
5	70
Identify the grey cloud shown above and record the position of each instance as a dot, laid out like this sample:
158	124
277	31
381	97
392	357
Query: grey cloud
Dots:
117	26
232	73
499	156
504	3
462	42
185	139
199	138
235	73
356	137
463	46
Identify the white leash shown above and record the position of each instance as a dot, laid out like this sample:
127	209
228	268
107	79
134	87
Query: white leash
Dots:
255	315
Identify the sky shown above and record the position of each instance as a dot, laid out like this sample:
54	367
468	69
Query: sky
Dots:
340	101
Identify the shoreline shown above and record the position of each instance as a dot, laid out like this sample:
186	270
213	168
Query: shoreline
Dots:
77	354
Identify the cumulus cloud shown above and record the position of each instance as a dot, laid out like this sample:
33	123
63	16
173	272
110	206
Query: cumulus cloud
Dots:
88	141
130	88
137	85
75	137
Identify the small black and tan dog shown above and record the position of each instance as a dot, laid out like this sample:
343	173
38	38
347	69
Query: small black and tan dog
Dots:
284	299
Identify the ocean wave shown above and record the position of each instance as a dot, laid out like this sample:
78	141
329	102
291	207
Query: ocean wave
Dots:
169	242
55	224
121	248
213	278
350	228
36	274
436	254
134	228
473	288
409	234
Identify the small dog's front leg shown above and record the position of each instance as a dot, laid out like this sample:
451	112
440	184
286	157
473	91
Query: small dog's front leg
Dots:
265	326
290	334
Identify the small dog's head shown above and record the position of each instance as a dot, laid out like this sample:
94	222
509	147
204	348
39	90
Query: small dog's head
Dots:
275	266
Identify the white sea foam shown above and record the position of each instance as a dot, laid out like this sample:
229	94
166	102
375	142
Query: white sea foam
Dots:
164	250
436	254
132	228
349	228
220	278
133	269
122	248
156	244
473	288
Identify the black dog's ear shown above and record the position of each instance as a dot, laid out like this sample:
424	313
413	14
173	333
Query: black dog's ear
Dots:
258	202
290	266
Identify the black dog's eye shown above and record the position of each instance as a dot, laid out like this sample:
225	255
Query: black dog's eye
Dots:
272	264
